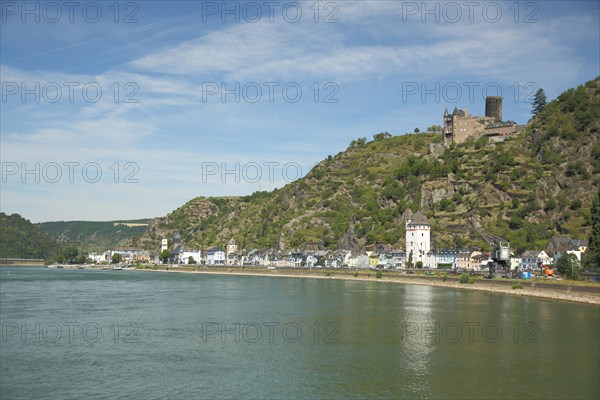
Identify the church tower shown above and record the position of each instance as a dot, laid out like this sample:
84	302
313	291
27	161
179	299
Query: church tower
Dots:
231	246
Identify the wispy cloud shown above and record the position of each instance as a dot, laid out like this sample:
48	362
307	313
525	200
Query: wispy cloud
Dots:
171	130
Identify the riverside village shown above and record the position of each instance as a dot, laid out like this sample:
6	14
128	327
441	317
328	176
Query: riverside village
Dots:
418	252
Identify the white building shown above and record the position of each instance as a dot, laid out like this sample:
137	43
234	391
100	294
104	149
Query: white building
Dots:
99	257
418	238
531	259
576	253
127	253
185	255
232	246
215	256
164	244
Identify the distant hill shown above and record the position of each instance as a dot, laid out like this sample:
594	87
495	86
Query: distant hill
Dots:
92	236
534	185
19	238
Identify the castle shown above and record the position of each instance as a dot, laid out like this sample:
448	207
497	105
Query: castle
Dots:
460	125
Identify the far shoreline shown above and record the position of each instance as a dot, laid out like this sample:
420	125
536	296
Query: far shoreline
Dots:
579	292
570	293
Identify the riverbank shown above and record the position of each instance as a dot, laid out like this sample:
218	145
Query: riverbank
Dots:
588	294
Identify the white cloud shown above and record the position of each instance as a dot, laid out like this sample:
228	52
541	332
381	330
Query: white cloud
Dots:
170	132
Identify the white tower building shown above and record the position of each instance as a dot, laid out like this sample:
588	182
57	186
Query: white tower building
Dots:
231	246
418	238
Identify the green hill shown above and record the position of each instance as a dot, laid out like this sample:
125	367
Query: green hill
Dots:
19	238
526	189
92	236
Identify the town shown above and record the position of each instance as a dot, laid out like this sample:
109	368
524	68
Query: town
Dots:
417	254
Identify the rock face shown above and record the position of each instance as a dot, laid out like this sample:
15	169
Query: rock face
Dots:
433	195
349	240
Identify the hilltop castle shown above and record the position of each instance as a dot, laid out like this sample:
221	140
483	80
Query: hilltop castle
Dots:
460	125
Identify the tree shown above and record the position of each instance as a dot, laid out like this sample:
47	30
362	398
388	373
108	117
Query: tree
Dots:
116	258
70	255
419	264
434	128
569	265
409	263
592	256
539	102
381	136
417	130
191	260
164	256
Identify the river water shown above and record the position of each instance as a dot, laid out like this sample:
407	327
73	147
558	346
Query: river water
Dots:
91	334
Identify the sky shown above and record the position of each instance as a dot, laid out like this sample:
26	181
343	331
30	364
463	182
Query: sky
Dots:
125	110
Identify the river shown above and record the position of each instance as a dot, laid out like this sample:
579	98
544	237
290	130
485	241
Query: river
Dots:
72	334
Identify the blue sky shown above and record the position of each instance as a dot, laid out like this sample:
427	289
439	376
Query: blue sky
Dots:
120	112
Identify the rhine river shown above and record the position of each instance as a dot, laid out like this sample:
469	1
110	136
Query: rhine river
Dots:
75	334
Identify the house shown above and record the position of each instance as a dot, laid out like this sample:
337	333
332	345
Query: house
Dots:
127	253
232	258
335	259
311	260
560	245
469	260
184	256
373	259
175	254
532	259
557	246
398	258
255	257
297	257
142	256
418	238
578	244
515	262
385	259
99	257
446	259
431	259
462	259
180	255
215	256
357	259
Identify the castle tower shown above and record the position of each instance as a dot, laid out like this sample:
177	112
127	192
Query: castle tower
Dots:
448	129
418	238
493	107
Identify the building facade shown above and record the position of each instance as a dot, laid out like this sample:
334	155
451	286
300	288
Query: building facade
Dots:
215	256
